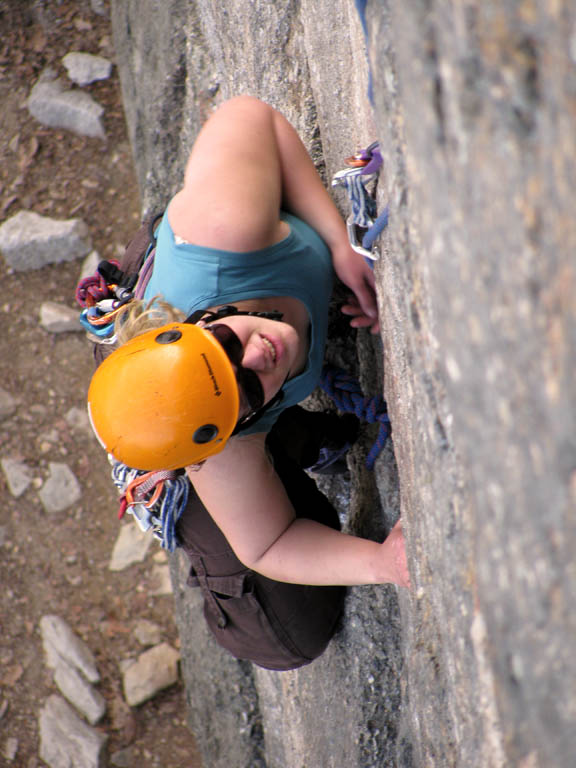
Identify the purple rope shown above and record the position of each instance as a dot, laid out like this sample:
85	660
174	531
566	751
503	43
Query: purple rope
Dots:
348	397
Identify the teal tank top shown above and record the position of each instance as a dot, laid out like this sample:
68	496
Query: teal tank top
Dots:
192	277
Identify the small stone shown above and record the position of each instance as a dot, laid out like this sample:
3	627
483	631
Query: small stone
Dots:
90	265
147	632
8	404
85	68
77	419
131	547
74	687
31	241
124	758
155	670
58	318
61	643
61	490
52	104
98	7
10	749
65	740
18	476
125	664
160	581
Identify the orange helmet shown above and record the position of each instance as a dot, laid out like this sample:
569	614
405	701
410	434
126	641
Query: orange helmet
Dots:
165	399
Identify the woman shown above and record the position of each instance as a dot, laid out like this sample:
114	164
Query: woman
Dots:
227	239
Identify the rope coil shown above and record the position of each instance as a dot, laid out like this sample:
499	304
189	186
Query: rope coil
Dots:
348	397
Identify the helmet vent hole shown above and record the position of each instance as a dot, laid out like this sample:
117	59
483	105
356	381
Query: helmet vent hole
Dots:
205	434
168	337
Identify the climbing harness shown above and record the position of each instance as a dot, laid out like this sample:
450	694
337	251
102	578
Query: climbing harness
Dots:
359	181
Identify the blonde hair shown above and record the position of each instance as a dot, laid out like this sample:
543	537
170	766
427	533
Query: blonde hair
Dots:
139	316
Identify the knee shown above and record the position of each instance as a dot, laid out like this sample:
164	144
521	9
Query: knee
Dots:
247	104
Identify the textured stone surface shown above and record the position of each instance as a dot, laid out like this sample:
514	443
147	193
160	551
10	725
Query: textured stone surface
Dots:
474	104
478	300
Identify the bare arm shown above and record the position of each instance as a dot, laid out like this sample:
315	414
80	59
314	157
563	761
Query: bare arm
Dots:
248	502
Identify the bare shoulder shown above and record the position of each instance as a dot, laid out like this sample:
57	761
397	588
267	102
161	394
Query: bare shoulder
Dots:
244	496
238	470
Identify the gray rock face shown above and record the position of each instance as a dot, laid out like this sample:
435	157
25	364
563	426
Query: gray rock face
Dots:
477	296
479	284
55	106
30	241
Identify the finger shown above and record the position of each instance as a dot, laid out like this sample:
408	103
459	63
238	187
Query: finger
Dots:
361	322
367	300
351	309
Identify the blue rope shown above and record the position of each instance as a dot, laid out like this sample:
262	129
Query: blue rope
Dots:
174	501
348	397
376	229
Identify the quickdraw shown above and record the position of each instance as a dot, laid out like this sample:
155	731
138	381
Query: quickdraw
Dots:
359	181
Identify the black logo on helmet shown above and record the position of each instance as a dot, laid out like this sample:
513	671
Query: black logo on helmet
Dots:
217	390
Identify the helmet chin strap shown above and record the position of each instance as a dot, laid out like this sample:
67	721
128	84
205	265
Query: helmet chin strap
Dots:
229	310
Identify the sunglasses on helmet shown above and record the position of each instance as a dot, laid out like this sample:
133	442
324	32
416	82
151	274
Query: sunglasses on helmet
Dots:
247	379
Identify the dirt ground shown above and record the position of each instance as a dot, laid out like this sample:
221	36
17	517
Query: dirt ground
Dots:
58	563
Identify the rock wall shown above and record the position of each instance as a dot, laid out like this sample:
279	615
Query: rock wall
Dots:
474	104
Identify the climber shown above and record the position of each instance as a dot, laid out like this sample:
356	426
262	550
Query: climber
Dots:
208	378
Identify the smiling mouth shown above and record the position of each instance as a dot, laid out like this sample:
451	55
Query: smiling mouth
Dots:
270	347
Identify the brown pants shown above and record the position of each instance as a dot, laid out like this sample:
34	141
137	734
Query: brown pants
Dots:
275	625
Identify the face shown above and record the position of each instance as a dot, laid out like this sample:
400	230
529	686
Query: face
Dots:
272	350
